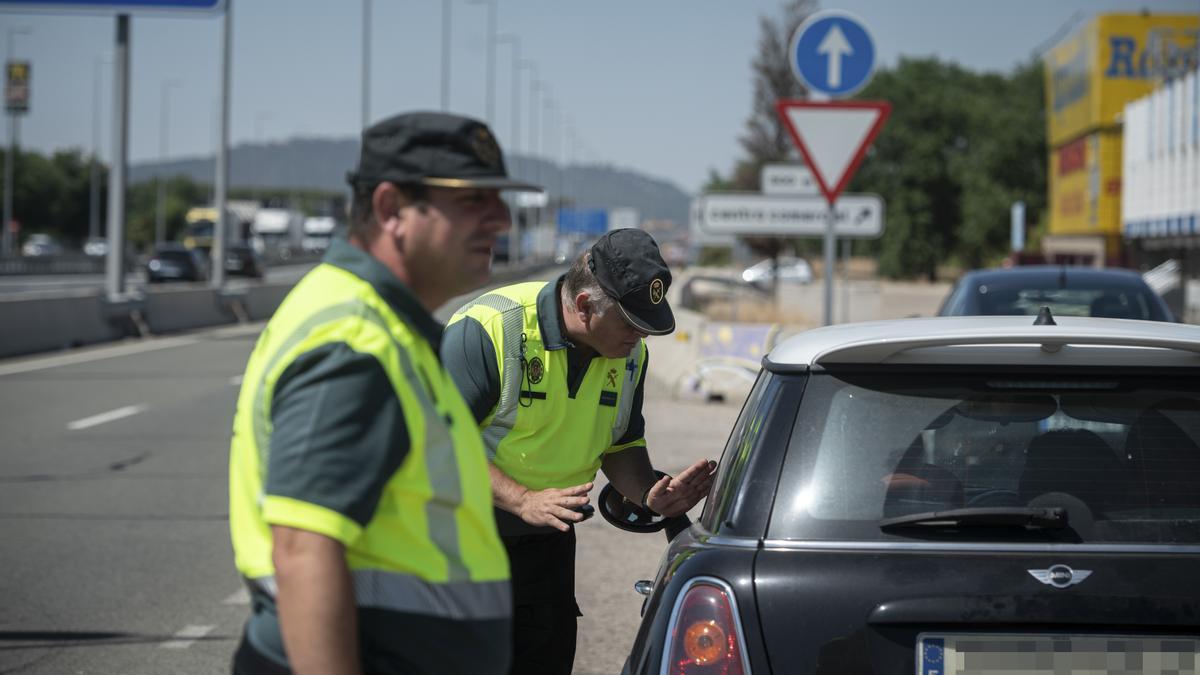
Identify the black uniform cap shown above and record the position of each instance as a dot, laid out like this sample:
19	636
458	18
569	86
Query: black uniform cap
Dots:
629	268
435	149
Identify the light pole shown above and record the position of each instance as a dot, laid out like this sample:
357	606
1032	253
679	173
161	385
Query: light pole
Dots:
366	64
10	156
259	118
491	59
510	39
160	211
94	193
445	55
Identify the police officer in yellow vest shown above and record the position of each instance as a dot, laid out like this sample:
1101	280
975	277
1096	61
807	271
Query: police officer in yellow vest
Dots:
360	506
554	372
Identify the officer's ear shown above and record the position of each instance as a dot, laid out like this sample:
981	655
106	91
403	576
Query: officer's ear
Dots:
386	204
583	306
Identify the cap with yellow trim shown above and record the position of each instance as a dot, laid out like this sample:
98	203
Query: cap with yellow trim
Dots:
435	149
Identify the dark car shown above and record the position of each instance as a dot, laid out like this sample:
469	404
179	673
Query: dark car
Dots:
948	495
1068	291
243	260
174	262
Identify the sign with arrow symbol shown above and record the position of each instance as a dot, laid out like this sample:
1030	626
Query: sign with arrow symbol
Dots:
832	54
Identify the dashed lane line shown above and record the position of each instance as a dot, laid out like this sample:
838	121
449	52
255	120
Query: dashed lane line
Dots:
106	417
241	597
184	638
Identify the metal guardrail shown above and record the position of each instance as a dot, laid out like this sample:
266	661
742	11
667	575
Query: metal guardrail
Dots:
71	263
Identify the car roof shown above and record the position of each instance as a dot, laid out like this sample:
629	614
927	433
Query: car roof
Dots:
1042	275
992	340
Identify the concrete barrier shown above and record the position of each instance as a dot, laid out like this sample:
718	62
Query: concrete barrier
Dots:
39	323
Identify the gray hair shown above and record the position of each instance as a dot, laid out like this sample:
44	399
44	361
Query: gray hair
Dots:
579	279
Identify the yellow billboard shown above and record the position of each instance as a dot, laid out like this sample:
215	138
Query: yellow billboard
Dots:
1111	60
1085	185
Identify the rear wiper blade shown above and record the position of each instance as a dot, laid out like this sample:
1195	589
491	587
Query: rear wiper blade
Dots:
1050	518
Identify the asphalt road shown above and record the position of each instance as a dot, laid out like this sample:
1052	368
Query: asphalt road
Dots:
113	510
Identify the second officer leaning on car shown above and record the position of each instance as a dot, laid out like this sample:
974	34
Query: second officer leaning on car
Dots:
554	373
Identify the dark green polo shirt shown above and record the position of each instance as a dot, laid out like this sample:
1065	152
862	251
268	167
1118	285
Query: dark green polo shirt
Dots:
338	435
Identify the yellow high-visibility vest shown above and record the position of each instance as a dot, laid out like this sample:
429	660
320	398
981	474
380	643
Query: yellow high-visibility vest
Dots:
539	434
431	546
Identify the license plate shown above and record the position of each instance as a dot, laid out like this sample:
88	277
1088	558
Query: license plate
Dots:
963	654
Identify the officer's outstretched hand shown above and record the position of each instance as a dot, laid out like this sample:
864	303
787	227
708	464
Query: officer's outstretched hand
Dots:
673	496
555	507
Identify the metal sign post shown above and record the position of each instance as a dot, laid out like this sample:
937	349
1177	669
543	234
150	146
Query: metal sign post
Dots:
114	270
16	103
833	55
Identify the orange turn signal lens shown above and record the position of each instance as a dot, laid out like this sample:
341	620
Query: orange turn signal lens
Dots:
704	643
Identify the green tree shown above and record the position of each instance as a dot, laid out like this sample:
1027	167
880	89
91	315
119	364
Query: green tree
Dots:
959	148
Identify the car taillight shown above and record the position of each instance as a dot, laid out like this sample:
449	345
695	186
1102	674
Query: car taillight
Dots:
705	637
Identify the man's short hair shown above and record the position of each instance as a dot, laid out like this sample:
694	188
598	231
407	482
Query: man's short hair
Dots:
579	279
362	209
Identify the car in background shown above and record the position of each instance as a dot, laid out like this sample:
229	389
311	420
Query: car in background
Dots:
95	247
41	245
790	269
241	259
175	262
1068	291
910	496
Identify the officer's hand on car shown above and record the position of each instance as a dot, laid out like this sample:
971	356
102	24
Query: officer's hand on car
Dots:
673	496
556	507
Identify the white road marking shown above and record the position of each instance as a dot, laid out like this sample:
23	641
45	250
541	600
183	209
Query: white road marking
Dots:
236	381
99	354
184	638
109	416
241	597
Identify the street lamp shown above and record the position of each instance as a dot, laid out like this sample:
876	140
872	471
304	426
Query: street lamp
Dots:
160	211
366	63
10	156
491	58
94	194
445	55
510	39
259	118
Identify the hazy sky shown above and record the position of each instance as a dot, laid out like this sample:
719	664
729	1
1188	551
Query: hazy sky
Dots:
660	86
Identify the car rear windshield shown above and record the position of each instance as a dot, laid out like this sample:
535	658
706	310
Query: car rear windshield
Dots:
180	257
1120	453
1113	302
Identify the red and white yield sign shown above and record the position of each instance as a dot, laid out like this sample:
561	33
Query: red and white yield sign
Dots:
833	137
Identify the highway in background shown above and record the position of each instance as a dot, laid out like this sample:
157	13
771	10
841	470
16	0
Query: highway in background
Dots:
76	283
113	511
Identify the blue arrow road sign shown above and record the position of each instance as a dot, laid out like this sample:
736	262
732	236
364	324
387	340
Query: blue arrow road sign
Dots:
833	54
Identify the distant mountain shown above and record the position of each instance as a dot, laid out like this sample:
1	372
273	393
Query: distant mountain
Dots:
322	164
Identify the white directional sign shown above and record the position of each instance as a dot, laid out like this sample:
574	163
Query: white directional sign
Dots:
788	179
833	137
753	214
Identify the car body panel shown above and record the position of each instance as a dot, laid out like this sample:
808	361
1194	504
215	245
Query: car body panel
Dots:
820	592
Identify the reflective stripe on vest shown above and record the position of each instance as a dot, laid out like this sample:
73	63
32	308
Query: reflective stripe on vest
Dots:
512	320
460	601
440	458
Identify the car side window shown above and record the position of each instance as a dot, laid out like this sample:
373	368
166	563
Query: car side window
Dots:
734	460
